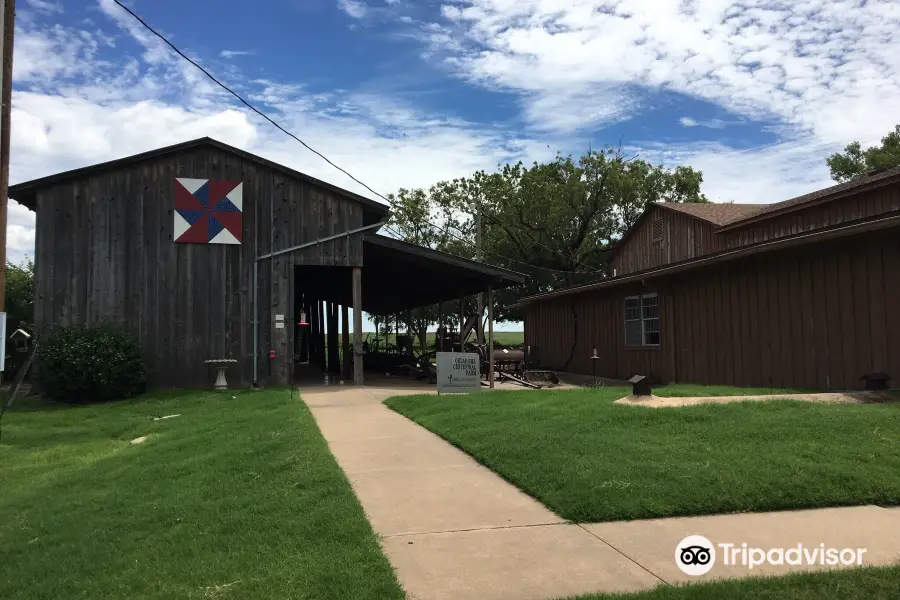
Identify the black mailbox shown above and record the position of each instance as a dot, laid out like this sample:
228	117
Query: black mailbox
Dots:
640	385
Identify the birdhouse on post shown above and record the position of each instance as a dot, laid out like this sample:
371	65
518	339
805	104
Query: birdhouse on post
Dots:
21	341
640	386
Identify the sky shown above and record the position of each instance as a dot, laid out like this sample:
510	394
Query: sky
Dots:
405	93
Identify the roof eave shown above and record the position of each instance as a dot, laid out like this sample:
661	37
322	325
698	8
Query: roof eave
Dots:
843	230
758	218
500	274
23	193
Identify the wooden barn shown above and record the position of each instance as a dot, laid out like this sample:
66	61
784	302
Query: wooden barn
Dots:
209	252
801	293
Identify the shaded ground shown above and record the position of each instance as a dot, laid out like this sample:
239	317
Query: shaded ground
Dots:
590	459
238	497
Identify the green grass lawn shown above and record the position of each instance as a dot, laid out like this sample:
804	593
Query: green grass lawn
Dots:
236	498
870	583
589	459
682	390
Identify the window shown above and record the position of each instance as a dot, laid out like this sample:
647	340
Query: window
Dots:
642	320
657	231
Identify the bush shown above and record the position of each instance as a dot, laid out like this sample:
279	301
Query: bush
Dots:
83	364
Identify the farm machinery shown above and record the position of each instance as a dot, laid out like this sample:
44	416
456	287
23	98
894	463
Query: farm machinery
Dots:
510	363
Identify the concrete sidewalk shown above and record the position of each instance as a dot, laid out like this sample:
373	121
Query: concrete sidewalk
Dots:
455	530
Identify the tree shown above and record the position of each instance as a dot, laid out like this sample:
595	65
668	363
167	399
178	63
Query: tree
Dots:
856	162
426	219
556	221
553	222
19	295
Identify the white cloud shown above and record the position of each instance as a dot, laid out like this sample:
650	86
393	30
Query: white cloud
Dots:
825	72
65	118
711	123
233	53
828	67
754	176
806	63
571	66
45	6
354	8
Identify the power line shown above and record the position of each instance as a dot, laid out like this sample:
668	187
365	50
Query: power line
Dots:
244	102
307	146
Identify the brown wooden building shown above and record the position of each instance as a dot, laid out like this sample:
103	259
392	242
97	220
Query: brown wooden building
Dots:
206	251
802	293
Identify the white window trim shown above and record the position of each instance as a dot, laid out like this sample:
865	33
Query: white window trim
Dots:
640	299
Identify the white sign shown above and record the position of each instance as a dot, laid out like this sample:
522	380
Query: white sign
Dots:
279	325
458	373
279	317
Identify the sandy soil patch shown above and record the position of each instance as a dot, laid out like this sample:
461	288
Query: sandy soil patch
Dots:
828	398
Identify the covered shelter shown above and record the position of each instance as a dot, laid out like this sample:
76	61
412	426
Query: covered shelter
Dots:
397	277
207	252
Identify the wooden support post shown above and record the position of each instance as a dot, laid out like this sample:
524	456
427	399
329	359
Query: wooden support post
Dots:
479	326
462	322
334	366
312	340
490	310
323	357
326	337
357	327
317	342
346	352
439	343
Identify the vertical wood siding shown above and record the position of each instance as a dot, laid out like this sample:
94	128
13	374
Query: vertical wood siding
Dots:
842	210
684	237
819	318
104	250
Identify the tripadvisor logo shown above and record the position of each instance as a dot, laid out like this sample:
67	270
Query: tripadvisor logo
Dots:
695	555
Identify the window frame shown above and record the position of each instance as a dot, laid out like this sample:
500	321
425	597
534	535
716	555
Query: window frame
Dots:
642	319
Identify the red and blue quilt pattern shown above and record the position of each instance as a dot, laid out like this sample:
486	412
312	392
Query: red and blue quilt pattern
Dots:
208	211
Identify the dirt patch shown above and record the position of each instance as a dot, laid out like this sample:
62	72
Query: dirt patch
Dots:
827	398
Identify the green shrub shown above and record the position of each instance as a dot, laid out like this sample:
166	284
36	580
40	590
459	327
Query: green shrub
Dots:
84	364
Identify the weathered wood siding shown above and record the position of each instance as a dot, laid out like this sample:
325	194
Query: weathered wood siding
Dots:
842	210
684	237
563	334
104	250
818	317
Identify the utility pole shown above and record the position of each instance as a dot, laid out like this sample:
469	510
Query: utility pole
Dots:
7	27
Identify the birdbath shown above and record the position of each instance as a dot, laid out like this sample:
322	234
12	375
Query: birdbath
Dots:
221	364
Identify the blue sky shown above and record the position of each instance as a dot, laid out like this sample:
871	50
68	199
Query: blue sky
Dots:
405	94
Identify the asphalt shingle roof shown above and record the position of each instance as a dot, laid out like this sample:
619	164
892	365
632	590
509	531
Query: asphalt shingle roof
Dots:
716	213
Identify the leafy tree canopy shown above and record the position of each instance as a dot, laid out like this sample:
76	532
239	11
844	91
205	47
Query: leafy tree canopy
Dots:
552	221
855	162
19	295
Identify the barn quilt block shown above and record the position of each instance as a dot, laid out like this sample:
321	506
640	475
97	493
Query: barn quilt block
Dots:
208	211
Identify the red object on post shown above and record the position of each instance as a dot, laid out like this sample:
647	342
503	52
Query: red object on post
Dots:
271	354
302	319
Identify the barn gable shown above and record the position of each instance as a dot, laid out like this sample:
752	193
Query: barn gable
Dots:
669	232
115	242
